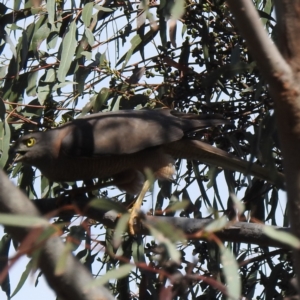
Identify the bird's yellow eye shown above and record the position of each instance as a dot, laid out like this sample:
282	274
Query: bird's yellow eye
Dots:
30	142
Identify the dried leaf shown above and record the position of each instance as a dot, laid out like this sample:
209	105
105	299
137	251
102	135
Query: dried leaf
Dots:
172	31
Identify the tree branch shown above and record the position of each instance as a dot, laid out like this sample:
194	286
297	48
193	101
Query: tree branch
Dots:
269	60
283	79
240	232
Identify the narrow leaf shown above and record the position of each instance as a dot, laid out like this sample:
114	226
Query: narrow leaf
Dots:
179	205
22	221
135	41
32	83
216	225
4	142
23	278
39	36
68	50
120	229
230	270
123	271
283	237
101	99
50	5
87	13
62	261
90	37
171	247
178	9
107	204
102	8
239	206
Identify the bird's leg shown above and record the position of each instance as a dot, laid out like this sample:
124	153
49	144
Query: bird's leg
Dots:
136	207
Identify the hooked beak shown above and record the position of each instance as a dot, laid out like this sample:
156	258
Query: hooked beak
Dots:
18	154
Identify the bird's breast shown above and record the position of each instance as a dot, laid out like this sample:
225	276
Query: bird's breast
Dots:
68	168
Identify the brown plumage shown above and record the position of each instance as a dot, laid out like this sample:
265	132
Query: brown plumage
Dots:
120	145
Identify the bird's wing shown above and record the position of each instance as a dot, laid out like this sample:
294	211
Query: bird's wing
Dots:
128	131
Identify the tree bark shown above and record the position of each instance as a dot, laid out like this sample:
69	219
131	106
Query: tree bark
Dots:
281	71
240	232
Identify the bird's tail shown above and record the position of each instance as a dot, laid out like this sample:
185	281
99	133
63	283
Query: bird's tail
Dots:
192	122
197	150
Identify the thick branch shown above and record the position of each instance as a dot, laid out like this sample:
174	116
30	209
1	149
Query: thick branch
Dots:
283	80
73	282
240	232
287	14
269	60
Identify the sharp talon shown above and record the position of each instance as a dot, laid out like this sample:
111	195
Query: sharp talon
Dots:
133	223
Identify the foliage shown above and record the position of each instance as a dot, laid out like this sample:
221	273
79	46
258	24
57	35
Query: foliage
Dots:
61	62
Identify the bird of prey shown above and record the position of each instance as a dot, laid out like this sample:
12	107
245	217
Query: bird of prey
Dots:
122	144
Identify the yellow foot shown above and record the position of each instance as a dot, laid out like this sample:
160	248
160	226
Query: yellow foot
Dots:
134	214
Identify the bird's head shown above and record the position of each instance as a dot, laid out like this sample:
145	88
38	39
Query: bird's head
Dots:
33	148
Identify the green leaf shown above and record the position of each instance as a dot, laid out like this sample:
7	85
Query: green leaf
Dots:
62	260
178	9
76	236
230	270
239	206
179	205
90	37
46	84
22	221
102	8
101	99
138	253
50	5
116	104
32	83
216	225
171	247
63	84
4	142
3	70
122	271
68	49
183	30
4	250
149	36
88	56
120	229
171	232
39	36
135	42
283	237
23	278
17	4
107	204
87	13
